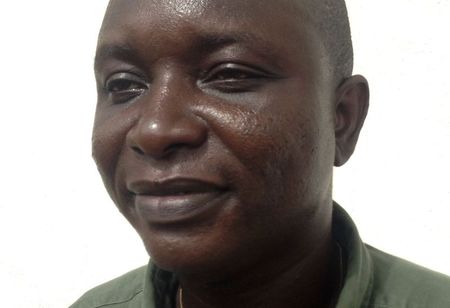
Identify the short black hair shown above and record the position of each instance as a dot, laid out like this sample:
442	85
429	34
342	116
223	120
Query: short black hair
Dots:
330	18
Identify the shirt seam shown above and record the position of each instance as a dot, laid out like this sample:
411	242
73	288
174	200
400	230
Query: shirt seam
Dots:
121	302
369	290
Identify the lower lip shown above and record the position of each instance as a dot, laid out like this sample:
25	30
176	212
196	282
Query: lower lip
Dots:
178	208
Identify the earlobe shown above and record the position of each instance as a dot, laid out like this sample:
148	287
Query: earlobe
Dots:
352	104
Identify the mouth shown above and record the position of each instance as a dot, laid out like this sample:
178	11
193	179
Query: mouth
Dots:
176	200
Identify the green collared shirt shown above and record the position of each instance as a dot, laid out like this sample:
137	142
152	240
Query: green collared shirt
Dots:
373	279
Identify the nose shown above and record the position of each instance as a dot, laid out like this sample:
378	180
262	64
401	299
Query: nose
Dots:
166	125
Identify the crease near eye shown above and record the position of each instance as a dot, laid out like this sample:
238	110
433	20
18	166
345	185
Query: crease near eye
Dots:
232	77
124	86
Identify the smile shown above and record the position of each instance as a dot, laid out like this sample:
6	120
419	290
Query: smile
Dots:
177	200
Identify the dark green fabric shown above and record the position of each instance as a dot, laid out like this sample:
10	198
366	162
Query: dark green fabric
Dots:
374	279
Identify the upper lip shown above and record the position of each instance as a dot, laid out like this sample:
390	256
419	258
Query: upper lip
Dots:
173	187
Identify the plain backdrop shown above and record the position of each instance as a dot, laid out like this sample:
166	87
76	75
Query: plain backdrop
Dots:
59	232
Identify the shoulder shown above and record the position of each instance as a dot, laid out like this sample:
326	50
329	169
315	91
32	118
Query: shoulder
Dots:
119	292
399	283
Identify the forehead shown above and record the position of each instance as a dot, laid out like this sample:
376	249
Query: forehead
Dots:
220	10
279	28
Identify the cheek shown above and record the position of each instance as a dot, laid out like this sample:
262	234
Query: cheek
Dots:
270	144
286	148
108	142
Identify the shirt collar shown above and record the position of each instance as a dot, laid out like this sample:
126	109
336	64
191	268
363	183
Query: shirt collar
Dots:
359	268
148	299
359	274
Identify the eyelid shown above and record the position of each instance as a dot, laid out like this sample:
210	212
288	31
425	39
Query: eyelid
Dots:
125	75
245	68
124	86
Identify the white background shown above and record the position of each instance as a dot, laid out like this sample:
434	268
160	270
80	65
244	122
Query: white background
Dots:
61	235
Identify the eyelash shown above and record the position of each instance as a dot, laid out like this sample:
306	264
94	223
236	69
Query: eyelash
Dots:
233	78
124	86
227	78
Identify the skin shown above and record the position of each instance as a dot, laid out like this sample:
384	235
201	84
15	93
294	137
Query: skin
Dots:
245	120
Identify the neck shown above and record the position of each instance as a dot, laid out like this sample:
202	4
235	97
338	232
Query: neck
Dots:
308	281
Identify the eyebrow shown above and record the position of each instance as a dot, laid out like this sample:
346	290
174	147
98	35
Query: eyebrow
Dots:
203	44
118	51
212	41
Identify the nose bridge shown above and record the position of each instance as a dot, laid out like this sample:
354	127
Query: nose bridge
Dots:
166	119
163	111
163	101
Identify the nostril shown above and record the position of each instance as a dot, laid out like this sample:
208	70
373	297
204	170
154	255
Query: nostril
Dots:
137	150
173	147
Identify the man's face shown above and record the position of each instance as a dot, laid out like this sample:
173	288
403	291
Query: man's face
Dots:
214	129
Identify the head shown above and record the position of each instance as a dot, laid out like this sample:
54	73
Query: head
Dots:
218	124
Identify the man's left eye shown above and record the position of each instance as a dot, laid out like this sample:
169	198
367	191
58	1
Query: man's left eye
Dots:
233	78
233	74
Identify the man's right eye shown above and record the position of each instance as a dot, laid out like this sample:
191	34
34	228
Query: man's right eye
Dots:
123	87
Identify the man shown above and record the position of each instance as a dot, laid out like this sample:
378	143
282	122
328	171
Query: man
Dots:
217	128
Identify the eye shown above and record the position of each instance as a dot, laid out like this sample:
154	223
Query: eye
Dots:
233	74
232	77
123	87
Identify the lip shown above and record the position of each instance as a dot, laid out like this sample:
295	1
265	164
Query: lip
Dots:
176	200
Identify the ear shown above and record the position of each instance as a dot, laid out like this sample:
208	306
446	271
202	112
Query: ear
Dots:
352	103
